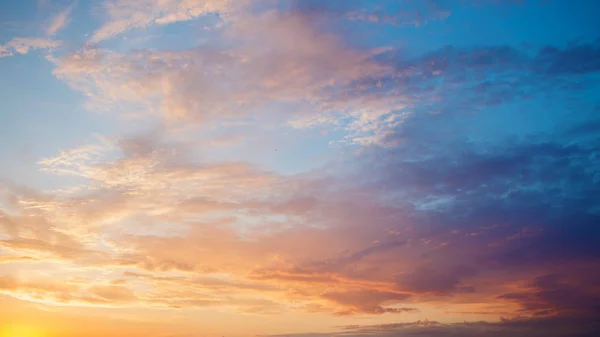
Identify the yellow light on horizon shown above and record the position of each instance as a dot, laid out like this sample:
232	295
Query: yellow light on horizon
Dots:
18	330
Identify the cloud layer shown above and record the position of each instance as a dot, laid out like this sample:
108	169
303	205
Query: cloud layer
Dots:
460	184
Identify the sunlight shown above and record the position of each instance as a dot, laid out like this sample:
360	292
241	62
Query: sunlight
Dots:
21	331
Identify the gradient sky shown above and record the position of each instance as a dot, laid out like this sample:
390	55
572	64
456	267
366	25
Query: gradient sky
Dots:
304	168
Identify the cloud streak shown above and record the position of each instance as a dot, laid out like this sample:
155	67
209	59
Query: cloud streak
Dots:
23	45
124	15
59	21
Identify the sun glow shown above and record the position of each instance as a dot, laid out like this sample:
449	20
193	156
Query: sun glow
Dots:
21	331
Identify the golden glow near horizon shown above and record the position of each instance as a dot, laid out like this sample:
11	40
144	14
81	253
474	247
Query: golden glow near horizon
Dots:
19	330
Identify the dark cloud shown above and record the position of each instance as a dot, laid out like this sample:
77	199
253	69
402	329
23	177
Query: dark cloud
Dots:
591	128
459	64
519	205
457	212
437	281
368	301
574	59
338	264
539	186
455	80
560	294
473	60
524	327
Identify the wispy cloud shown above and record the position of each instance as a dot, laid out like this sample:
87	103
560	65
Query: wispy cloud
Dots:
59	21
124	15
23	45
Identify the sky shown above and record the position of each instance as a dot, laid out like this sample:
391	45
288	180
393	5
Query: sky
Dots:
299	168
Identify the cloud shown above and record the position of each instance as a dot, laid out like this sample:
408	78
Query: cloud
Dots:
22	45
124	15
59	21
44	291
538	327
105	213
485	180
500	196
440	282
385	12
370	302
36	235
559	294
457	203
573	59
113	293
453	80
260	72
71	292
9	259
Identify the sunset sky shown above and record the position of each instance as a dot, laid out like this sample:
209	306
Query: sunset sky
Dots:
207	168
